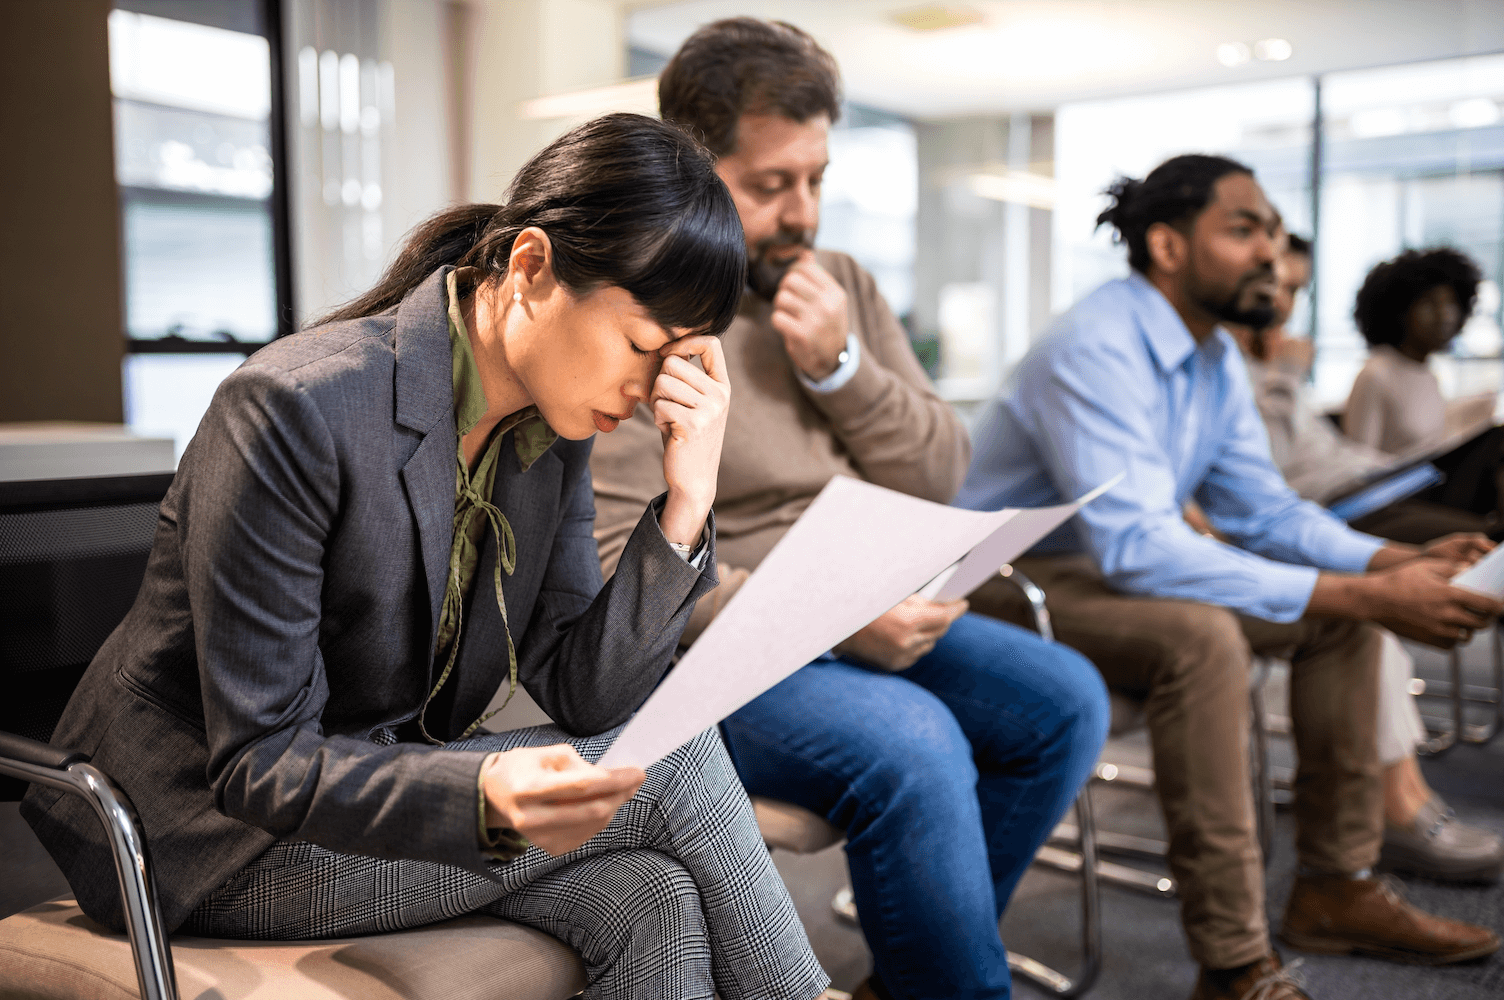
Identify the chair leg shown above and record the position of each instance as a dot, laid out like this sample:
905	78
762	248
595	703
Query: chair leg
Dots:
1091	917
1447	734
844	905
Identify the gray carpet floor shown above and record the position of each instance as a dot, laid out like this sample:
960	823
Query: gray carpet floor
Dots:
1144	953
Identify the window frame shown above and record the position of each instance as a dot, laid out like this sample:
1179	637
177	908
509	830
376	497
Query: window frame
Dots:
270	15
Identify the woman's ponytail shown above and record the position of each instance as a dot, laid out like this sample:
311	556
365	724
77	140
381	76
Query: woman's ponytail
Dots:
445	238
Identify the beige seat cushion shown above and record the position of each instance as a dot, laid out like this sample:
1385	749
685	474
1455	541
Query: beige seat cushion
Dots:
54	952
792	828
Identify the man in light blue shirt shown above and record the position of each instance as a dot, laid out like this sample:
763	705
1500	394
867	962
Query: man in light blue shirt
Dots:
1138	378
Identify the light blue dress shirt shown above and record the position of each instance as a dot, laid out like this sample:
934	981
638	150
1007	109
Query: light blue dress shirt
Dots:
1120	385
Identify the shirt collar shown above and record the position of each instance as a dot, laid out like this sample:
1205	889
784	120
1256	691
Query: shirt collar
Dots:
1168	337
533	435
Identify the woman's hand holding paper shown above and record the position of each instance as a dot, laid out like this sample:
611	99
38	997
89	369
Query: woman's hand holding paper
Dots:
553	797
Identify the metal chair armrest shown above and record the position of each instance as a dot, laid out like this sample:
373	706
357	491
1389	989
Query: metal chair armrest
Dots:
29	751
72	773
1035	596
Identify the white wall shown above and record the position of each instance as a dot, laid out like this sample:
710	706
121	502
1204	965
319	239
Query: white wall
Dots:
522	49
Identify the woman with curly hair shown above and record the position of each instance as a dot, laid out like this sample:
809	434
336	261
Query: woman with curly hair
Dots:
1408	309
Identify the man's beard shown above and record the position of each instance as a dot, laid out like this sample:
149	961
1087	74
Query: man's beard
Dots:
1258	316
763	273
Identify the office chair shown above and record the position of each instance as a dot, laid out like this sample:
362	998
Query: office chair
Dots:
1445	734
72	556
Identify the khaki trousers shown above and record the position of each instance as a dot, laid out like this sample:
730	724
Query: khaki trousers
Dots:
1190	662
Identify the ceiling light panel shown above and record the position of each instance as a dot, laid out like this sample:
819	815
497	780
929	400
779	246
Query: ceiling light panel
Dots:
937	17
1232	54
1273	50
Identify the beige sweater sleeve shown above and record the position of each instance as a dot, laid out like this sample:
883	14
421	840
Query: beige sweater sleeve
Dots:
897	431
625	478
1276	391
627	475
1363	417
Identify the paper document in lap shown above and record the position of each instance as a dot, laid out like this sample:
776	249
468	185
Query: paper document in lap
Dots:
857	551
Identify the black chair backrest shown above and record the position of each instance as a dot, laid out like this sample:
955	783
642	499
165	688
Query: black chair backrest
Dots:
72	556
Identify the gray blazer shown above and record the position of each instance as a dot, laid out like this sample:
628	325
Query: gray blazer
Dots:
291	606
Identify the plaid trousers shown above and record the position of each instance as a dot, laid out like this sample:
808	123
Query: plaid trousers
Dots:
677	897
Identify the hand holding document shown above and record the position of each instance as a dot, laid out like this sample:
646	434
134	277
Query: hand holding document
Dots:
1486	576
857	551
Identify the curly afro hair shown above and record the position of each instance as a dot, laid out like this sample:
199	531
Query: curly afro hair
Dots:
1393	286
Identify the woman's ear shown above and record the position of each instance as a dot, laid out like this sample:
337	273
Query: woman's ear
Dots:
532	261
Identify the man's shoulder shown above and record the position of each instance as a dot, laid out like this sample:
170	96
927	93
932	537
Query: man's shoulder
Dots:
1112	307
1104	324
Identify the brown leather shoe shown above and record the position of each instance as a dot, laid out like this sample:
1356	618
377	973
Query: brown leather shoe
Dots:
1266	980
1337	915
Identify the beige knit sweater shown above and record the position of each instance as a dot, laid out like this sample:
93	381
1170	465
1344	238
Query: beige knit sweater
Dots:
784	442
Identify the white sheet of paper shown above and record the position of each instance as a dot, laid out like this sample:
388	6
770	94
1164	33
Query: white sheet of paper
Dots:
1006	544
1486	576
857	551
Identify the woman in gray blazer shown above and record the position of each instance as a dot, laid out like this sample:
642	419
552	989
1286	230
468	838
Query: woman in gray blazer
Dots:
387	517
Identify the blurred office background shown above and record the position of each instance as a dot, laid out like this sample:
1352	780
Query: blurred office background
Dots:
188	179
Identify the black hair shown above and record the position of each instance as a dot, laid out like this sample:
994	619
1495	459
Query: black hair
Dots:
626	201
740	66
1298	245
1175	192
1392	287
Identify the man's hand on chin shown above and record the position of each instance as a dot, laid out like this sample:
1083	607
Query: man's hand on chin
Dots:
809	312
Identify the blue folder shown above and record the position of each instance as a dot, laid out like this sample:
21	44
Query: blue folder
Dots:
1403	484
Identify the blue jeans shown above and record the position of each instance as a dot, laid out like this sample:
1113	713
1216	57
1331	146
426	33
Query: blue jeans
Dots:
946	777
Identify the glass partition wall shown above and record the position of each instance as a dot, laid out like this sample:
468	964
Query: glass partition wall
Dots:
1412	157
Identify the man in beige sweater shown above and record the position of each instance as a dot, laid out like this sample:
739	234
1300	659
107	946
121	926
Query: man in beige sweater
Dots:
945	745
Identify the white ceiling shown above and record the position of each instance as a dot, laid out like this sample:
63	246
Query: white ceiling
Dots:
1038	54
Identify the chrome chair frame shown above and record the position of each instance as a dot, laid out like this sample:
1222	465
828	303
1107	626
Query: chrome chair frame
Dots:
1262	776
1445	734
71	772
1085	859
